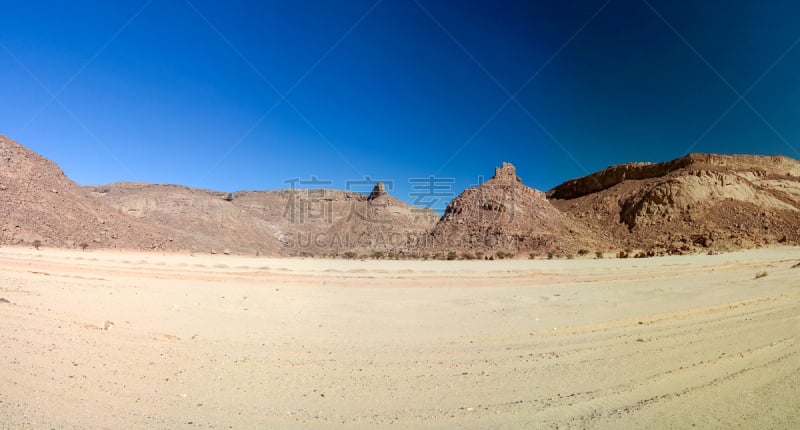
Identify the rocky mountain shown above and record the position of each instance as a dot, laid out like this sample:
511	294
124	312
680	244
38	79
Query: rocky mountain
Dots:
686	205
504	214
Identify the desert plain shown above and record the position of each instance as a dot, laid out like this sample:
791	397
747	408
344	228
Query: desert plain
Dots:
113	339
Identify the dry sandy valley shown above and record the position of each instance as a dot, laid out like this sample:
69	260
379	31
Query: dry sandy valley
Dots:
109	339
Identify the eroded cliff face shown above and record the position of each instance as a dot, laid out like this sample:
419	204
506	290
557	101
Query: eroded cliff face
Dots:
731	201
611	176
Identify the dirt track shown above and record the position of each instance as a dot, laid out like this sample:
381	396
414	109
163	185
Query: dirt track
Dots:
233	342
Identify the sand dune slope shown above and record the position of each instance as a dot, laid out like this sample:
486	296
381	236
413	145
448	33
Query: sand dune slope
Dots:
136	340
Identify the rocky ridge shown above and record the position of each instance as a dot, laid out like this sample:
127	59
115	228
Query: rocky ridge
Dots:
695	202
294	221
39	204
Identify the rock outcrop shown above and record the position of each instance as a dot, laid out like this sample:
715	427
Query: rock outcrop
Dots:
377	192
504	214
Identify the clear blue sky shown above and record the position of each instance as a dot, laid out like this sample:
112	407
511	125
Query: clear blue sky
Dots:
244	95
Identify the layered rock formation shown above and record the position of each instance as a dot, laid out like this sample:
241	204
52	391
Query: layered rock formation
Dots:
697	201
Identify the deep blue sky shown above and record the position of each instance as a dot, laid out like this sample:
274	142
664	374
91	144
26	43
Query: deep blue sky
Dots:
187	92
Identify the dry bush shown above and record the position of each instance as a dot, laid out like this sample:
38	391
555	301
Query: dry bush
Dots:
761	274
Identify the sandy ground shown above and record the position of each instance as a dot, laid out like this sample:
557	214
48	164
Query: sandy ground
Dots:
118	340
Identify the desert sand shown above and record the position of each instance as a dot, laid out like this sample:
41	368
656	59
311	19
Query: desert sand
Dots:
110	339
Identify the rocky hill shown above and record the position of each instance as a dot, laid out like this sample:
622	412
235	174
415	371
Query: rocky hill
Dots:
281	222
39	203
695	203
686	205
383	224
504	214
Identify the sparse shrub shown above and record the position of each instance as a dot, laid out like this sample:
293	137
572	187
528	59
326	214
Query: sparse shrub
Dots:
350	255
452	255
377	255
550	255
83	246
583	252
640	255
531	256
761	274
467	256
504	254
598	254
570	256
622	254
36	244
479	255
